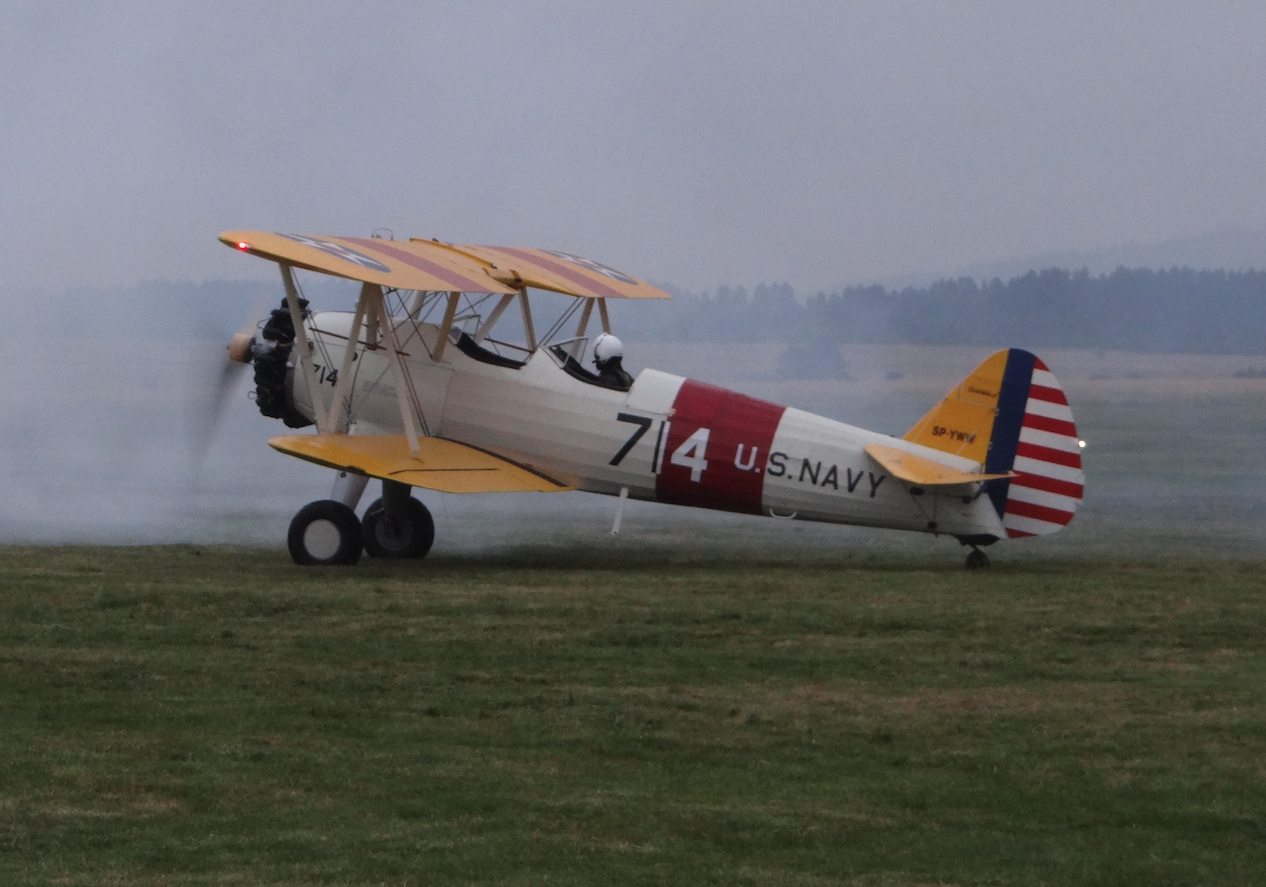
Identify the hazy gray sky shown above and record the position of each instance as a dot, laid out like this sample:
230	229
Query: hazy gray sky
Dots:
694	143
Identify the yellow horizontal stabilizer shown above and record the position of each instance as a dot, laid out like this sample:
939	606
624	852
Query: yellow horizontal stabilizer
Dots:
443	465
919	470
406	265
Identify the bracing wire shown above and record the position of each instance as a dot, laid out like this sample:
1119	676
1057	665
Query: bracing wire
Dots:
558	324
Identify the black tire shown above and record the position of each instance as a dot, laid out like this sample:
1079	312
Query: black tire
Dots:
325	534
977	560
410	536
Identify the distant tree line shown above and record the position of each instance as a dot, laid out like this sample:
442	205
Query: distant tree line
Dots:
1175	310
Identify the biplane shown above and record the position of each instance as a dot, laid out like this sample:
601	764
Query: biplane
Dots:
415	388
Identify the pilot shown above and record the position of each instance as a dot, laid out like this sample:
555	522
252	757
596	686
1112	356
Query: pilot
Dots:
608	352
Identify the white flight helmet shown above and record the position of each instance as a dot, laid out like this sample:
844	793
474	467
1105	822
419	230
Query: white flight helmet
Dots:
606	347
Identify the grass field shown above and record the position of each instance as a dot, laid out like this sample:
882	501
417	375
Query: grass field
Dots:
704	699
180	715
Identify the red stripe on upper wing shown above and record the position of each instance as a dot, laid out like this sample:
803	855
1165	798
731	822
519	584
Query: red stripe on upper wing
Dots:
1048	485
1046	423
457	281
1049	395
1046	454
1038	512
562	270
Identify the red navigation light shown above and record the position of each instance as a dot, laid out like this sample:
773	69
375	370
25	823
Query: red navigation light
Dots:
243	245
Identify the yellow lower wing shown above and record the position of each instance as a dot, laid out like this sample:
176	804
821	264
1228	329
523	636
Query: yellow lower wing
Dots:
918	470
439	464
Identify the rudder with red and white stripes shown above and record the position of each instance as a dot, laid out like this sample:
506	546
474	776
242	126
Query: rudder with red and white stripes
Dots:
1035	437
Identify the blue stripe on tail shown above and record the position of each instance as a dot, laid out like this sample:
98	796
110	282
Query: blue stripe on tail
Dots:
1012	399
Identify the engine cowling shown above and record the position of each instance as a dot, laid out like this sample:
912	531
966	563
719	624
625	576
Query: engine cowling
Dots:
270	353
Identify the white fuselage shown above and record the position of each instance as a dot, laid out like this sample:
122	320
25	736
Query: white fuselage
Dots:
667	439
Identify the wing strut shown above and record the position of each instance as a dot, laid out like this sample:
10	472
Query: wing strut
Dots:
486	327
345	371
527	319
580	327
396	363
305	351
602	312
416	303
446	326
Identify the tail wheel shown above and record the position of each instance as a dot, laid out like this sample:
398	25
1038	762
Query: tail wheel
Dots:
325	534
977	560
406	535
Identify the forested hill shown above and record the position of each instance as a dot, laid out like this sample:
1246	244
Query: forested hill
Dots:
1178	310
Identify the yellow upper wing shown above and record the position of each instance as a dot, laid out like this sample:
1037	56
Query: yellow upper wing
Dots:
560	272
391	263
439	464
430	265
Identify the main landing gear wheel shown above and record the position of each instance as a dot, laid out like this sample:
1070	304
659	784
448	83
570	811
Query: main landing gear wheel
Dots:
325	534
406	535
977	560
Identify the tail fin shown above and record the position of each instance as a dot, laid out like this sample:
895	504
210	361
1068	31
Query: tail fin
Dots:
1011	415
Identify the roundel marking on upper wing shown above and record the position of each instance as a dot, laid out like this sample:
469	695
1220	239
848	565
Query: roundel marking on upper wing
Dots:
339	251
591	265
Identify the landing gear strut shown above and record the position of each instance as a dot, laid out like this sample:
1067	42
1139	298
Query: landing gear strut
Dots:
397	525
977	559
